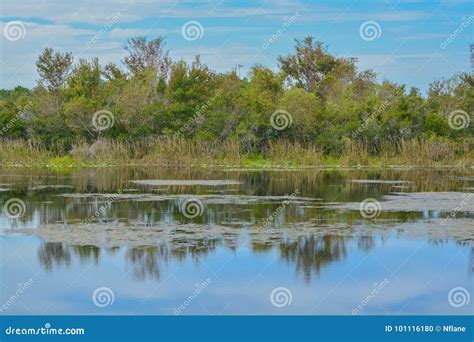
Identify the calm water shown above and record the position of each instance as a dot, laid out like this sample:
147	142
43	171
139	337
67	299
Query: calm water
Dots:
259	242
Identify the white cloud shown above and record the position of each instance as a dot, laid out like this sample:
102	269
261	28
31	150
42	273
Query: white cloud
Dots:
86	11
94	12
124	34
18	57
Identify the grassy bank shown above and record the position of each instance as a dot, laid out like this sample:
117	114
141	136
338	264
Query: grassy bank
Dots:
197	153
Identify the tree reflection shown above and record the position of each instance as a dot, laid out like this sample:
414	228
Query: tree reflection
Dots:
53	254
144	262
308	254
312	253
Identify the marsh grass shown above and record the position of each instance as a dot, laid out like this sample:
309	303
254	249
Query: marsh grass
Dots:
355	153
293	154
23	153
427	152
102	151
180	151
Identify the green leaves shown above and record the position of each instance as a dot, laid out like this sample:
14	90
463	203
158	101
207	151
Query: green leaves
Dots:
314	99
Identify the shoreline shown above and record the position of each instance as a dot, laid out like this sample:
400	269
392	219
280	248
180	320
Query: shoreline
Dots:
242	167
229	154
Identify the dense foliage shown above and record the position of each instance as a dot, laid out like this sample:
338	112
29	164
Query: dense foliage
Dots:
331	103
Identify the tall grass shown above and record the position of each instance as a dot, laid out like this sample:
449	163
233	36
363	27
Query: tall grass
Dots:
427	152
102	151
181	151
434	151
355	153
20	152
287	154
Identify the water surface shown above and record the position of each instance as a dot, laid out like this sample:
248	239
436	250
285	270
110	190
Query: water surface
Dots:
193	241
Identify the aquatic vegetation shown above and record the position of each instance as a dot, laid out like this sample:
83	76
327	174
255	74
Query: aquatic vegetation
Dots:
199	153
23	153
181	114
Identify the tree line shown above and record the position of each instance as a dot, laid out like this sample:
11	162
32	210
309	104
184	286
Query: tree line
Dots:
314	98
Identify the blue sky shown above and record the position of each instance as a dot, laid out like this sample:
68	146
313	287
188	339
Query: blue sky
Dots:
410	44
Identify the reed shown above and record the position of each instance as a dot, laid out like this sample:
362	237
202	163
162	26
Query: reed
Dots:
20	152
103	151
286	153
427	152
194	152
355	153
180	151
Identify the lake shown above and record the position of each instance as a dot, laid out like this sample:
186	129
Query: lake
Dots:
169	241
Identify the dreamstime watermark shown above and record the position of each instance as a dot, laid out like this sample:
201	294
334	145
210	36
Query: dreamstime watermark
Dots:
370	208
21	115
280	208
377	287
281	119
191	208
370	119
192	30
197	119
103	209
102	31
286	24
458	119
14	208
191	298
21	288
103	120
370	30
14	30
464	202
280	297
458	297
464	24
46	330
103	296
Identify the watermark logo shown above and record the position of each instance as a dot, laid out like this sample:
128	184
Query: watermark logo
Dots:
377	287
24	114
197	118
458	119
464	203
21	288
280	297
103	120
280	208
192	30
103	296
286	24
14	208
370	208
370	30
103	209
458	297
281	120
47	329
464	24
14	30
197	291
108	25
371	119
192	208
